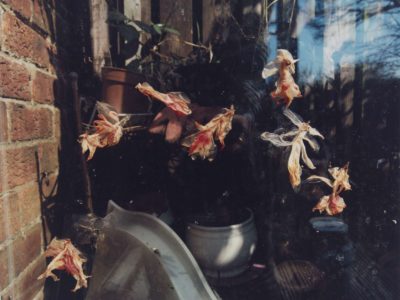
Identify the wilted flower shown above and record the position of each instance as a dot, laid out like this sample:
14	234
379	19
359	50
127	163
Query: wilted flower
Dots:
176	101
295	139
108	132
286	88
68	258
333	203
201	144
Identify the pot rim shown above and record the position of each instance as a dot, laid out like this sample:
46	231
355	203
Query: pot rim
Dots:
120	69
249	220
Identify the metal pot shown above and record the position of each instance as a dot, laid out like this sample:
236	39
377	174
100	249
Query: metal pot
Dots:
225	251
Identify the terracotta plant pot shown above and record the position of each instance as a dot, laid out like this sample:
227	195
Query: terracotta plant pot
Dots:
225	251
120	92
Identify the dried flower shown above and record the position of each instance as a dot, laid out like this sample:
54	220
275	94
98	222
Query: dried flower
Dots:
286	88
176	101
68	258
201	144
108	132
333	203
295	139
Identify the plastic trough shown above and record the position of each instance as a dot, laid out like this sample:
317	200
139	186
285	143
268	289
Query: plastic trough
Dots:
140	257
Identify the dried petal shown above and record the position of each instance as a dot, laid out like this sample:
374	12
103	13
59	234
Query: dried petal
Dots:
176	101
315	178
332	204
107	132
68	258
304	157
315	132
312	142
294	167
341	179
286	88
270	69
275	139
201	144
222	124
293	117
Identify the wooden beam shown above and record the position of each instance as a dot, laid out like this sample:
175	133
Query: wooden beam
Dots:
99	34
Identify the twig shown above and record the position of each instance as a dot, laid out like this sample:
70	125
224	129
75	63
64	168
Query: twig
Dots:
291	16
133	129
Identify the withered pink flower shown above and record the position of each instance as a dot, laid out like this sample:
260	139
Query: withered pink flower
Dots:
201	144
286	88
176	101
333	203
107	132
68	258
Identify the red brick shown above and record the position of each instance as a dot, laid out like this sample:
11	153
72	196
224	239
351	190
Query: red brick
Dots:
27	248
9	215
23	41
48	157
4	278
3	212
29	122
43	88
28	286
28	200
22	7
57	124
18	209
3	123
17	167
14	80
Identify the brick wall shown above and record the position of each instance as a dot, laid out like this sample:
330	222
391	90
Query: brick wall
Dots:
29	127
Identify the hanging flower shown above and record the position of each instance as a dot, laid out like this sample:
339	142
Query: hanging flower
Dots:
286	88
295	139
107	132
201	144
222	124
176	101
333	204
68	258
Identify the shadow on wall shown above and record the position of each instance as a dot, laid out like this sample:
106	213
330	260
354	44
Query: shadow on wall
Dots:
68	26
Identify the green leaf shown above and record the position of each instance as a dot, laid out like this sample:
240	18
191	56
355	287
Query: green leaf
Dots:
129	49
144	26
171	30
128	32
158	28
